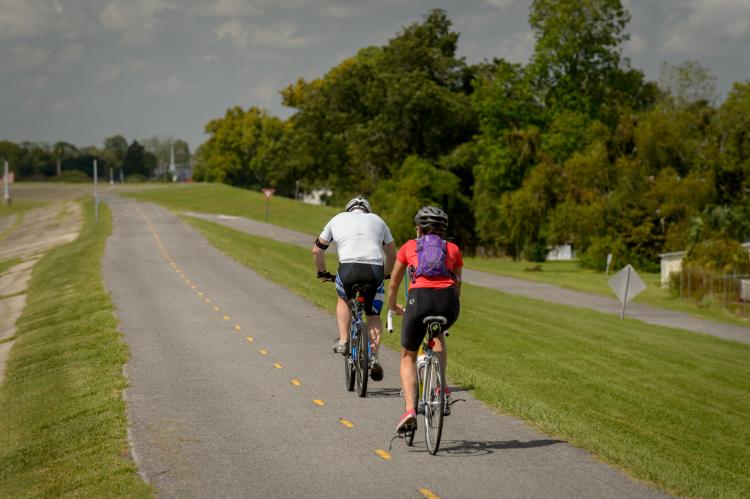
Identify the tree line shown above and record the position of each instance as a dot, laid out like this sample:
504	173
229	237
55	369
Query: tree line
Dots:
575	146
136	161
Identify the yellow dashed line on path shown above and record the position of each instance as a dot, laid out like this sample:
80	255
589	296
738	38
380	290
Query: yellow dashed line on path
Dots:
237	327
319	402
428	494
249	339
384	454
216	308
346	423
208	300
296	382
277	365
263	351
194	286
226	317
200	293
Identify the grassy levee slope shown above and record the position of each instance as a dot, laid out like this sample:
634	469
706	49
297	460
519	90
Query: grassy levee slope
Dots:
670	407
568	274
62	416
220	198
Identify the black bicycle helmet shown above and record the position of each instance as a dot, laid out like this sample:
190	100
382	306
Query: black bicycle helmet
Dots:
358	202
431	217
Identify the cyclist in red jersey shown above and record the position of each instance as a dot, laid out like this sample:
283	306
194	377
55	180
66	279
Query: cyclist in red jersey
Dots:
428	295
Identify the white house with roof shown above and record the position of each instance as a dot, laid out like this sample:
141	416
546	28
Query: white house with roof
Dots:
672	262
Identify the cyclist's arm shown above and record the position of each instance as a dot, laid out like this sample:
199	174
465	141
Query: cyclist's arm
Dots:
396	277
319	256
390	256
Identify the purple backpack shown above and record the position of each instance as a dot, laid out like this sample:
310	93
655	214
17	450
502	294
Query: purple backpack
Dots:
432	253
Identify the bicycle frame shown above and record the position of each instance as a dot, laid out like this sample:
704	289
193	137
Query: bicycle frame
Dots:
357	364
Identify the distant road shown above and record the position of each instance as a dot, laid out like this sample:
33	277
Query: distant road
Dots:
234	392
539	291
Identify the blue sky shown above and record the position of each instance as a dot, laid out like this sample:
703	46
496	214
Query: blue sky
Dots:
82	70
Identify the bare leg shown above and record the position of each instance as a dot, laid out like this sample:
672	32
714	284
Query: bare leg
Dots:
375	326
408	376
343	318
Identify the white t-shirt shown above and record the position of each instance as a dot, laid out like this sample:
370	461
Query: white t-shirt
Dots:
359	236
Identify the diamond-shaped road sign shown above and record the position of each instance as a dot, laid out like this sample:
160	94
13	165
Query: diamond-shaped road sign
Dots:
626	284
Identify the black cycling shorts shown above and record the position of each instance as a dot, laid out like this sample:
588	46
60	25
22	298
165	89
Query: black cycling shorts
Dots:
350	274
421	303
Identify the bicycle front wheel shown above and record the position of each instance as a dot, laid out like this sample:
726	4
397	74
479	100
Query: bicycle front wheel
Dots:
434	405
363	361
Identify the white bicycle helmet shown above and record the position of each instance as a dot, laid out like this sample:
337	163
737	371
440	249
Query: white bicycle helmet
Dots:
358	202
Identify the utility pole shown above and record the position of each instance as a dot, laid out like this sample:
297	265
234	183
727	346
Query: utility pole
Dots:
96	192
6	184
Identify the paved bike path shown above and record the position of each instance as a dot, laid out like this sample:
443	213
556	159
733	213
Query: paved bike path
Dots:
530	289
213	414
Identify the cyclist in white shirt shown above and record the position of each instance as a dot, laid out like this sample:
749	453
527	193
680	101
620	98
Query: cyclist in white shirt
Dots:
362	239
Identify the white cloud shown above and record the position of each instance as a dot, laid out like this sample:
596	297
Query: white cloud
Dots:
500	3
134	19
233	31
276	35
38	17
282	34
170	87
705	27
225	8
107	73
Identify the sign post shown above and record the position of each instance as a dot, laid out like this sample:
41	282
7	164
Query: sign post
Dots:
96	192
6	184
609	262
626	284
268	192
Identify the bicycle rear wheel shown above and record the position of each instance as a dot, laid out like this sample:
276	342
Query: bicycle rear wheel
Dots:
349	365
434	405
362	363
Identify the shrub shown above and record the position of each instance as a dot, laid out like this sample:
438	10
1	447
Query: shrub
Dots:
75	176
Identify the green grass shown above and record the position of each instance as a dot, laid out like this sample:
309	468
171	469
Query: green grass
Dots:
668	406
6	264
20	206
220	198
568	274
62	415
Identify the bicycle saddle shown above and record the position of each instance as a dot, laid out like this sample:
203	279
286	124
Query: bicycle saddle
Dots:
435	318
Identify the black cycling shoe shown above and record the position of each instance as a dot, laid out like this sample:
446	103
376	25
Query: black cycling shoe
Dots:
376	370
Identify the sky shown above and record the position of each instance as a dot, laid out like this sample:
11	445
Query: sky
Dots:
83	70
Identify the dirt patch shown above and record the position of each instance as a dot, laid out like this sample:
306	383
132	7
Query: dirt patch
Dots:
41	230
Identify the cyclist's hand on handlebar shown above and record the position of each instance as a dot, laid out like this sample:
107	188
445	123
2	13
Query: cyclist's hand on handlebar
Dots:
326	276
386	277
398	309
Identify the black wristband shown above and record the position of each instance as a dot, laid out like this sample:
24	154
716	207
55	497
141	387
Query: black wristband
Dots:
321	245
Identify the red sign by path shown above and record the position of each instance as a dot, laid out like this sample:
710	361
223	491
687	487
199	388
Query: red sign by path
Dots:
268	192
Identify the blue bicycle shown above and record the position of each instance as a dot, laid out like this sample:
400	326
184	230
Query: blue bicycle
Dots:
358	357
